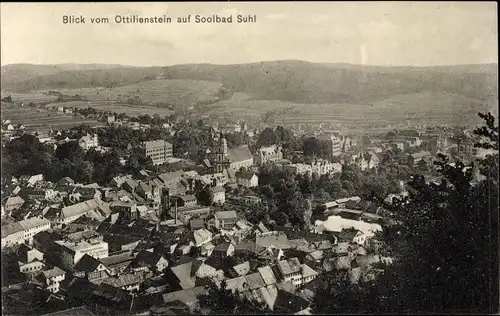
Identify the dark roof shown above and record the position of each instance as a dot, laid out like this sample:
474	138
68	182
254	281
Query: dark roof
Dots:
346	235
113	260
76	311
239	154
289	303
244	174
196	223
87	264
146	259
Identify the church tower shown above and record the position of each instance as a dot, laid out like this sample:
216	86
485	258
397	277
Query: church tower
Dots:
221	154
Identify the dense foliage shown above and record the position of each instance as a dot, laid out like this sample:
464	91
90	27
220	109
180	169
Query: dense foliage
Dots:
445	240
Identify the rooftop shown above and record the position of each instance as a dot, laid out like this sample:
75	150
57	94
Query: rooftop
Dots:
289	266
226	215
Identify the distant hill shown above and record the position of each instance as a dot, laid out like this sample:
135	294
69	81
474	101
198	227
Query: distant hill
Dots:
21	72
287	80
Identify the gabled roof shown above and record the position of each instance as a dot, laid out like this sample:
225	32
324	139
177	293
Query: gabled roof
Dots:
348	235
113	260
186	296
87	264
255	281
183	274
289	266
239	154
226	215
56	271
123	280
14	200
242	268
267	275
279	240
244	174
75	311
146	259
308	271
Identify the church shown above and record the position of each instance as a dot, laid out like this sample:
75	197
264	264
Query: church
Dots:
231	160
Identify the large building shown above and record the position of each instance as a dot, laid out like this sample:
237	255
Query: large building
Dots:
86	142
158	150
23	231
320	167
78	244
233	158
336	143
268	154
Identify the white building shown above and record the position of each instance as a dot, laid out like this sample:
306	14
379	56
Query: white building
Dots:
52	279
78	244
321	167
218	195
299	168
159	151
86	142
247	179
268	154
23	231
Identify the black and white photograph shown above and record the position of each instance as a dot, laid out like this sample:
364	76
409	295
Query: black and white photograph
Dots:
249	158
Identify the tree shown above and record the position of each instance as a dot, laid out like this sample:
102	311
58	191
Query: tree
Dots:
205	196
267	138
444	238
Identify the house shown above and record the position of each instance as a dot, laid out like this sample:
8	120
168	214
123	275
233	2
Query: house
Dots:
196	223
352	236
30	260
225	249
186	296
415	159
218	194
13	203
147	260
247	179
34	179
225	219
180	275
128	282
86	142
367	161
23	231
268	154
66	181
76	245
290	270
185	213
320	167
185	200
119	262
91	268
308	274
160	151
299	168
278	240
242	268
202	236
126	209
149	191
52	278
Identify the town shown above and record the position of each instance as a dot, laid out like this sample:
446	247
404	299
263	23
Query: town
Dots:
140	215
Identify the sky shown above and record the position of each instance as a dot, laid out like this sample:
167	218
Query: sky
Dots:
370	33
